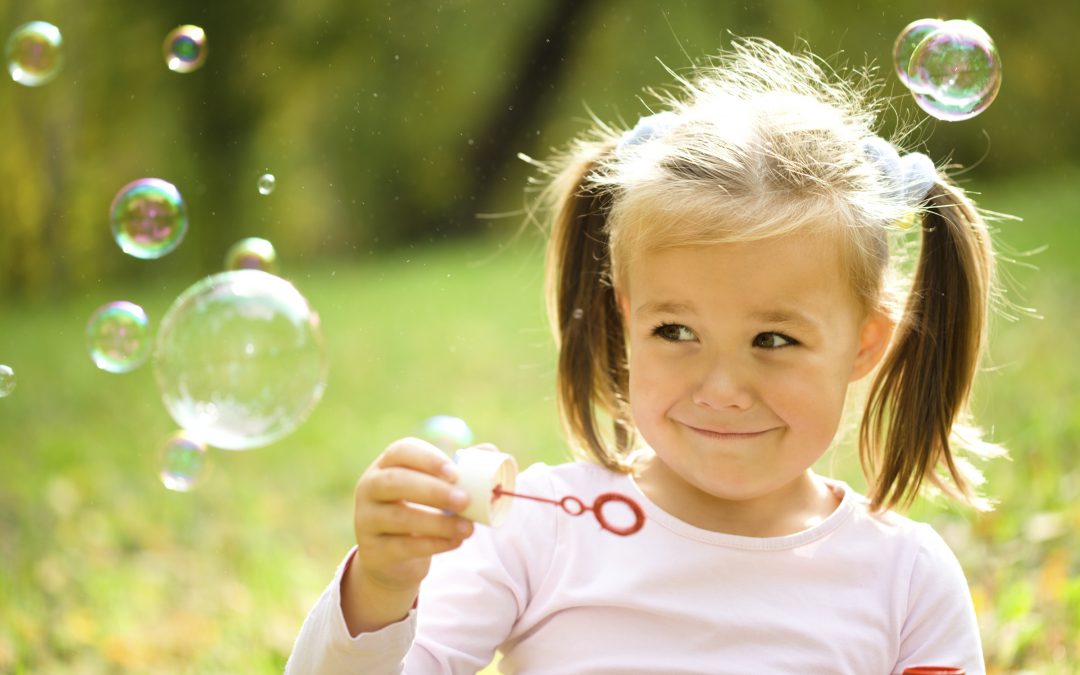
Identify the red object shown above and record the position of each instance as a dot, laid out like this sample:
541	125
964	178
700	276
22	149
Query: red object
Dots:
933	670
576	507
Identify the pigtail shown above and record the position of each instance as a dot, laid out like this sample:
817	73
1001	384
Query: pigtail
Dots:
918	401
592	372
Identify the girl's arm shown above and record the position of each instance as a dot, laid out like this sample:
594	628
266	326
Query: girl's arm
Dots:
466	608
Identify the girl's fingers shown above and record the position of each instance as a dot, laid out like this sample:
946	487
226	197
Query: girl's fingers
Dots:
405	519
395	484
407	547
419	455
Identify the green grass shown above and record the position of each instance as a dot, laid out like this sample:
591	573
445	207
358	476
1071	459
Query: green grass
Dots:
103	570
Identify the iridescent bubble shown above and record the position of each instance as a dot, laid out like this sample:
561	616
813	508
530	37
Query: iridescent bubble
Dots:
956	71
182	461
266	183
909	38
185	48
253	253
117	336
239	359
33	53
446	432
7	380
148	218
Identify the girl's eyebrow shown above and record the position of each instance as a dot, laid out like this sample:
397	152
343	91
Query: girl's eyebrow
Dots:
787	316
665	307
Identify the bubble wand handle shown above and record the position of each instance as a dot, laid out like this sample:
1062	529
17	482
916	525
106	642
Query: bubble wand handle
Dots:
575	507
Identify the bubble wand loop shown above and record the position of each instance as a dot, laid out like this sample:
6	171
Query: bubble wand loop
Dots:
575	507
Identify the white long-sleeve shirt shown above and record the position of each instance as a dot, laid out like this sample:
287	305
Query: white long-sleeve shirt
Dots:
859	593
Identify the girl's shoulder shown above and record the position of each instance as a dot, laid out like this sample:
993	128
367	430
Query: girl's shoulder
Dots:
890	526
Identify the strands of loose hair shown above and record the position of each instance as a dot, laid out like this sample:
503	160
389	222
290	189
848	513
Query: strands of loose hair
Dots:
765	143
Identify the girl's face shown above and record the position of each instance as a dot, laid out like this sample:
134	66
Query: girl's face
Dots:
740	358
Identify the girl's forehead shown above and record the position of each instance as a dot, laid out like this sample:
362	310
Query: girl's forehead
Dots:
789	270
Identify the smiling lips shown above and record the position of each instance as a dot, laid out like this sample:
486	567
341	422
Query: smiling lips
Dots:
728	435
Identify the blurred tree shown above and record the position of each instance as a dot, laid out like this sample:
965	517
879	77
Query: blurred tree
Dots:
395	124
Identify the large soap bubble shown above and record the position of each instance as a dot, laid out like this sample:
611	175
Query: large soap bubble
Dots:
239	359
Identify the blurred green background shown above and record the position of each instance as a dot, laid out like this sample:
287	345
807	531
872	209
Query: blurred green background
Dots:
392	129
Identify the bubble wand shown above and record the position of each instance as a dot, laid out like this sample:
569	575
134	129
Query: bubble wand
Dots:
489	478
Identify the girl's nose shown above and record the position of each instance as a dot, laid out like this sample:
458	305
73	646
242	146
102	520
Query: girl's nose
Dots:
723	386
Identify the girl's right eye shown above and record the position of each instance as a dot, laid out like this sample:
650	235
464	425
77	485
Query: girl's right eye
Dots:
674	332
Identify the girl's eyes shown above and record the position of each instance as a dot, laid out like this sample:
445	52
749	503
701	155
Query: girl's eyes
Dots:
673	332
676	332
773	340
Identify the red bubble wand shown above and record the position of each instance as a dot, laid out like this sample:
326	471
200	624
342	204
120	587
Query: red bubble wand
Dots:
575	507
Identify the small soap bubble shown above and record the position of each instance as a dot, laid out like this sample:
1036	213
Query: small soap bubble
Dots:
239	359
183	459
955	71
185	48
266	183
446	432
148	218
117	336
909	38
7	380
253	253
34	53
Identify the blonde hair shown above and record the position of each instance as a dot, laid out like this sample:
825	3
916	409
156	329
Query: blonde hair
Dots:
761	142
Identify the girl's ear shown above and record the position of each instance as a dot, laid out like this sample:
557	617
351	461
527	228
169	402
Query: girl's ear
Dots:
874	337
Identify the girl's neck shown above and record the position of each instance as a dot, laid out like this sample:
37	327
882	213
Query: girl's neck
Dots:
798	506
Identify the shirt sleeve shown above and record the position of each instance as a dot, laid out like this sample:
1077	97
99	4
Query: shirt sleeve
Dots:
325	647
467	606
941	628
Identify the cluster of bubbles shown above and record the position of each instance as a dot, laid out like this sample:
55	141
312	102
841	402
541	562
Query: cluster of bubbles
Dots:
238	357
951	67
34	51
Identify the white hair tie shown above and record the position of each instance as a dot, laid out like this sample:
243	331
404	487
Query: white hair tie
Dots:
911	175
647	127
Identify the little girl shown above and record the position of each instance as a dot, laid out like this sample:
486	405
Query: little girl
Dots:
718	276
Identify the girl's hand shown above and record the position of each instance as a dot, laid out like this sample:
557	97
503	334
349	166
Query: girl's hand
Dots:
400	520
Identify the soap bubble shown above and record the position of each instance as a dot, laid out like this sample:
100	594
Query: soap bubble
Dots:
148	218
33	53
185	48
909	38
253	253
182	461
266	183
117	336
7	380
955	71
446	433
239	359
